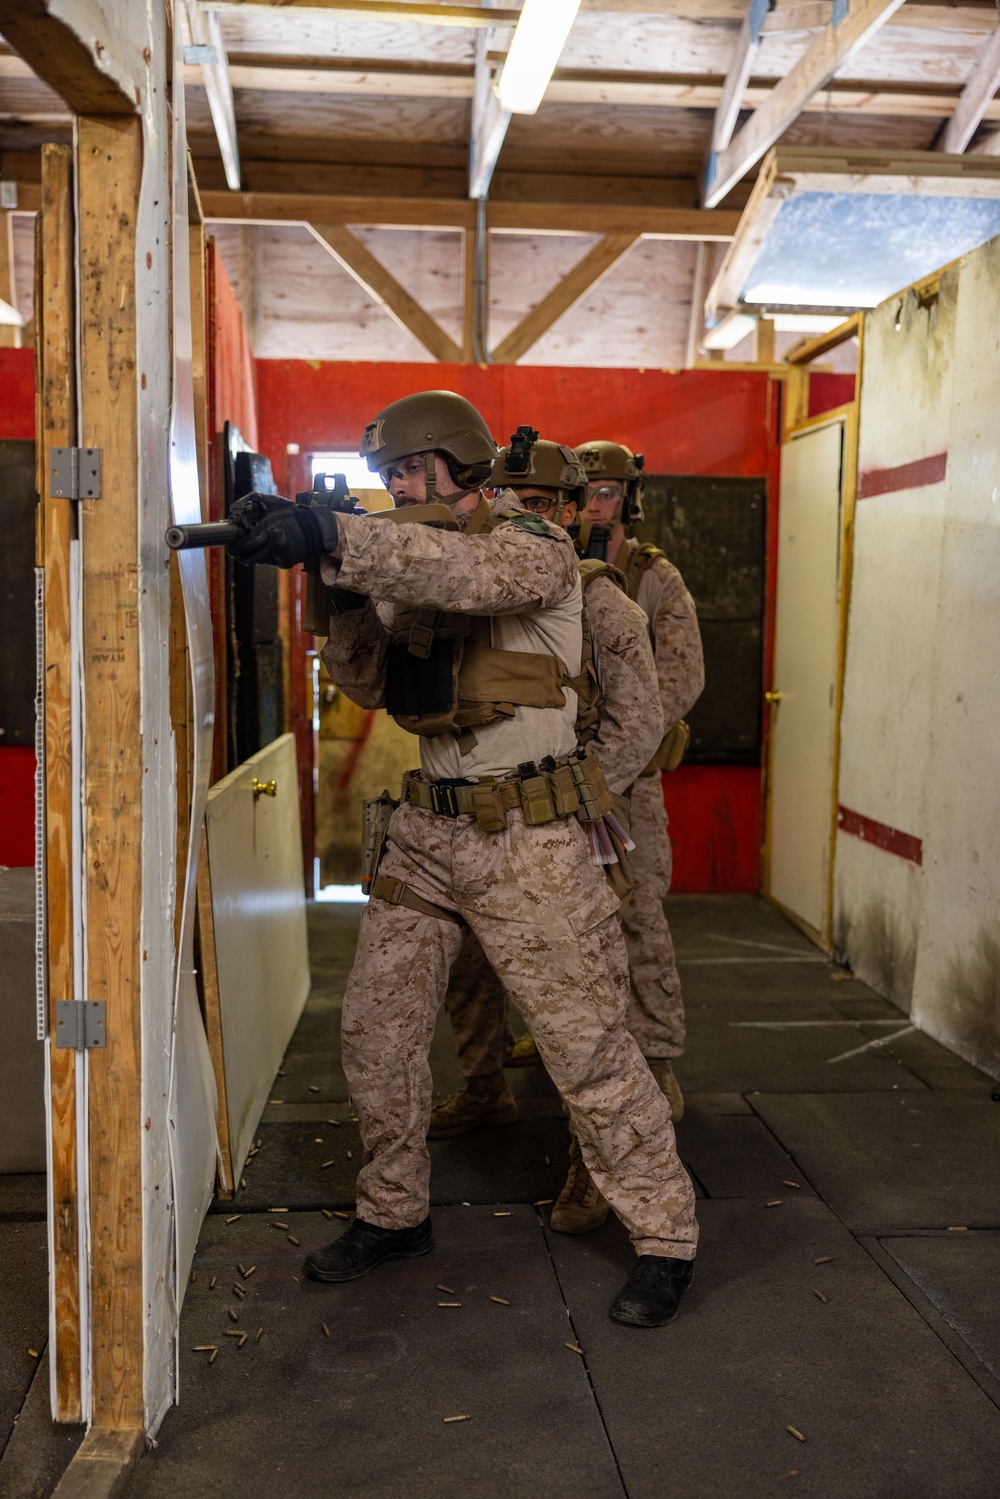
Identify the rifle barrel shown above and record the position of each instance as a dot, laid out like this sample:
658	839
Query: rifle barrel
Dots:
215	533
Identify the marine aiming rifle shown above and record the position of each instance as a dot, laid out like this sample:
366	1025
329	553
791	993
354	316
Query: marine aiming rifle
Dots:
251	509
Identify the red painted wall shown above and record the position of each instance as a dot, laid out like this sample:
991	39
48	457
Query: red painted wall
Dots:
685	422
17	761
17	393
231	382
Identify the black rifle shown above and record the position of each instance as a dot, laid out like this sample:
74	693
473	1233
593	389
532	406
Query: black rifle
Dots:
253	507
590	540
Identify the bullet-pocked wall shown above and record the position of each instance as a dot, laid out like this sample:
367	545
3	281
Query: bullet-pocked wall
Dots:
694	422
918	845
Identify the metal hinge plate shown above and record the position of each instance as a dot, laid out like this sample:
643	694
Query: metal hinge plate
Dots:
81	1024
75	474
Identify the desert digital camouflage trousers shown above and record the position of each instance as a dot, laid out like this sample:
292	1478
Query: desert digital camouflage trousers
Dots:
545	917
656	1008
477	1003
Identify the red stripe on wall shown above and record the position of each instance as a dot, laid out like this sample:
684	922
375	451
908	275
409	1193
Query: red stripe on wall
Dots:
915	475
870	831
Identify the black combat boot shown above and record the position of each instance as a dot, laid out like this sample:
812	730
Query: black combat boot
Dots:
364	1246
652	1294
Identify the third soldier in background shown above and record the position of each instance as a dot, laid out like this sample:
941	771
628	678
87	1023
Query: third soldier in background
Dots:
656	1011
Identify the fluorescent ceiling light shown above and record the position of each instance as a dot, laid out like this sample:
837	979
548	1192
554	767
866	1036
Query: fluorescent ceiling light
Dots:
731	331
538	40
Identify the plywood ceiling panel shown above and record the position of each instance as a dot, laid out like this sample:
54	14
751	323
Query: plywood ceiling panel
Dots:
284	31
308	306
523	269
626	128
359	117
637	316
896	54
427	264
863	132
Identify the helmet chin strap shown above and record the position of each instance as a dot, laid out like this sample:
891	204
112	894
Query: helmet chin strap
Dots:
430	486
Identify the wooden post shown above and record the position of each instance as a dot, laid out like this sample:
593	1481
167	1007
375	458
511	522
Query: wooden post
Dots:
110	166
55	357
10	336
764	339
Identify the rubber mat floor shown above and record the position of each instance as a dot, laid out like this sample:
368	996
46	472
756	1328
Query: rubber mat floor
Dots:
840	1339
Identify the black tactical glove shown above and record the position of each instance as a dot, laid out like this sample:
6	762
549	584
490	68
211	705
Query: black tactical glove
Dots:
288	535
251	508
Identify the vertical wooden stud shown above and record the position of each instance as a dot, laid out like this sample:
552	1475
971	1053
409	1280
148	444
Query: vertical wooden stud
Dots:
764	338
55	360
109	163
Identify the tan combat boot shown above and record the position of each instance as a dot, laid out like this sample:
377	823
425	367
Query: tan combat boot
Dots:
525	1053
663	1071
483	1102
579	1206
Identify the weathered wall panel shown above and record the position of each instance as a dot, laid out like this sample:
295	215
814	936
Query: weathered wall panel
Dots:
922	693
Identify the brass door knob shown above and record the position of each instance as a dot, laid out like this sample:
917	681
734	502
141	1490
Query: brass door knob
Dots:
263	788
772	697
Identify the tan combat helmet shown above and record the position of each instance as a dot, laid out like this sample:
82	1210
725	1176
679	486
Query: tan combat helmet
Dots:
529	460
613	460
429	422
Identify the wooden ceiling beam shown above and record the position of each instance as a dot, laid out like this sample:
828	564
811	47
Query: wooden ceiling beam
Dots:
789	15
384	289
410	11
744	56
594	266
78	50
256	72
214	75
976	98
824	56
457	213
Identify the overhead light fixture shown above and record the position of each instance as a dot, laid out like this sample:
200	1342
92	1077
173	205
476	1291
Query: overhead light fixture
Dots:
537	44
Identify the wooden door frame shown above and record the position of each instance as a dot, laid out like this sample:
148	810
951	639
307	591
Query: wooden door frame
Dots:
796	423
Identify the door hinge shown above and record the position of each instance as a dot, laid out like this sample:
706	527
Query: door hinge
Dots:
75	474
80	1024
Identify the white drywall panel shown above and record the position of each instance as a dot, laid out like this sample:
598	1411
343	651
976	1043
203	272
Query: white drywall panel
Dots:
957	985
258	905
888	689
921	715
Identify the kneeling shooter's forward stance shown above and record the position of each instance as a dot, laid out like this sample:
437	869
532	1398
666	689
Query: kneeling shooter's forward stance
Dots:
474	644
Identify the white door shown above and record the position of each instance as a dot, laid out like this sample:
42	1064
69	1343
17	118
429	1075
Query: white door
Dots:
803	725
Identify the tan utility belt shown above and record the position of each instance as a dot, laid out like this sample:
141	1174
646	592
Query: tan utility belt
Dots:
571	787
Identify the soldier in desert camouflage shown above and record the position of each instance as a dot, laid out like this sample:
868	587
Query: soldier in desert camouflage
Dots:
656	1010
625	726
467	628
